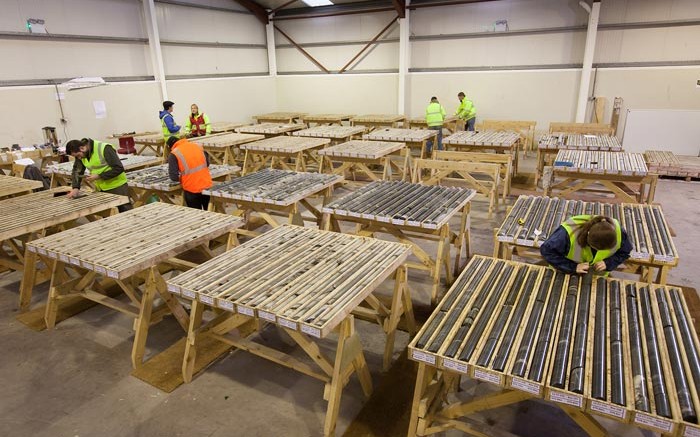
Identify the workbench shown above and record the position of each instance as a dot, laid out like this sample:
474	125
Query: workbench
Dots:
526	129
155	181
271	129
224	148
41	157
61	174
413	138
532	219
326	119
549	145
11	186
98	253
410	212
373	121
272	192
279	117
23	219
153	142
219	127
581	128
478	141
669	164
625	175
620	349
308	283
356	156
451	123
287	153
337	134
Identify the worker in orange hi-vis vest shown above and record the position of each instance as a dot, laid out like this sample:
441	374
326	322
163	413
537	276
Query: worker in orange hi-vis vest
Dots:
198	123
188	164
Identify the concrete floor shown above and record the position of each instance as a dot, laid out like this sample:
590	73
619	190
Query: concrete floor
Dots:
75	380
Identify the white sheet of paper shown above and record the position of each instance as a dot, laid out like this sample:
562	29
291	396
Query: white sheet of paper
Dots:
100	108
25	161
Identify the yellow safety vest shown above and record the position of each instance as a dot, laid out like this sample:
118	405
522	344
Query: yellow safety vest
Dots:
580	254
97	165
435	114
466	110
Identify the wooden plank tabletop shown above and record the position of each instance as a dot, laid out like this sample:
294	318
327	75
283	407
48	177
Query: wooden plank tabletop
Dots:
534	218
7	157
275	187
224	140
403	203
124	244
11	185
572	340
285	144
154	138
404	135
378	118
299	278
279	116
41	210
362	149
129	162
271	128
331	131
326	118
580	142
156	178
483	138
226	126
420	121
617	163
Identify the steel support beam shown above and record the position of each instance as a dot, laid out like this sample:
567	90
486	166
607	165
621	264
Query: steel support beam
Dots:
149	10
257	10
372	41
584	86
301	49
400	6
404	59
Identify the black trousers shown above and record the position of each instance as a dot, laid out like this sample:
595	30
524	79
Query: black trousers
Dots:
122	191
196	200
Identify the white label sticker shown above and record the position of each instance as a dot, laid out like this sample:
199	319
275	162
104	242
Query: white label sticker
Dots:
487	376
266	316
654	422
112	274
610	410
455	365
691	432
225	304
422	356
287	323
206	299
566	398
526	386
246	311
314	332
188	293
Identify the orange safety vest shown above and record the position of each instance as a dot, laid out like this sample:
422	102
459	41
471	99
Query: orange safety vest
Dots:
199	126
194	173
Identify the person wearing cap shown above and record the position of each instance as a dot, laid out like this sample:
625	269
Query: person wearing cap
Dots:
434	117
466	112
198	123
167	121
585	241
106	169
188	164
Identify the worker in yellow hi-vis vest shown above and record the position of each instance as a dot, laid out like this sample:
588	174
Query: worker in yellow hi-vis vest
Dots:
583	241
106	169
466	111
434	117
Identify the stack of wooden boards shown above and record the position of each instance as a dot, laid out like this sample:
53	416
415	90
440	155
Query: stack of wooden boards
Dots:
669	164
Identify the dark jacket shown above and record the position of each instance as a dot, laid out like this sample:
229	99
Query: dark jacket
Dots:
555	248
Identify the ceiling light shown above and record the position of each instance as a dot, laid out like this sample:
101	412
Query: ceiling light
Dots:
314	3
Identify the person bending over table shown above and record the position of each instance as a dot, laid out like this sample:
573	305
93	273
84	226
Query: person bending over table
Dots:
189	165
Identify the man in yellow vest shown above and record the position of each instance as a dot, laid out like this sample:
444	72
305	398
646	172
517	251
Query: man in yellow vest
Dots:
106	169
466	112
198	124
167	121
188	164
583	241
435	118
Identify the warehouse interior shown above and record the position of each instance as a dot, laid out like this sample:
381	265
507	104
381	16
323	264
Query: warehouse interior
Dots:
610	90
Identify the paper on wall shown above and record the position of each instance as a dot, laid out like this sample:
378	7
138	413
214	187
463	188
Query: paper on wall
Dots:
100	109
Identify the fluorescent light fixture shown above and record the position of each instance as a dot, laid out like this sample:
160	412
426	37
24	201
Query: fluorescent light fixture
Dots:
83	82
314	3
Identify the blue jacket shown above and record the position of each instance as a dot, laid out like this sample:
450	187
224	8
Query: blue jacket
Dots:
169	121
555	248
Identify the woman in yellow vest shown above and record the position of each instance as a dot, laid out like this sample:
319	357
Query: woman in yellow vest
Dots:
106	169
583	241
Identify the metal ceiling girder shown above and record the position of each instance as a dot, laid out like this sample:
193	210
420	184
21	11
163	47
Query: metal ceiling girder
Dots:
257	10
371	42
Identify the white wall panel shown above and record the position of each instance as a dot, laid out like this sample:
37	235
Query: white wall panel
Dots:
181	23
356	94
180	60
631	11
76	17
378	57
480	17
639	45
564	48
24	59
362	27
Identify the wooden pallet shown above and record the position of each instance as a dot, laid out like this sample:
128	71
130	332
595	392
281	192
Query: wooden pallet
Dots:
160	232
224	148
669	164
409	212
271	129
11	186
285	152
307	282
582	128
573	341
357	156
279	117
327	119
413	138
